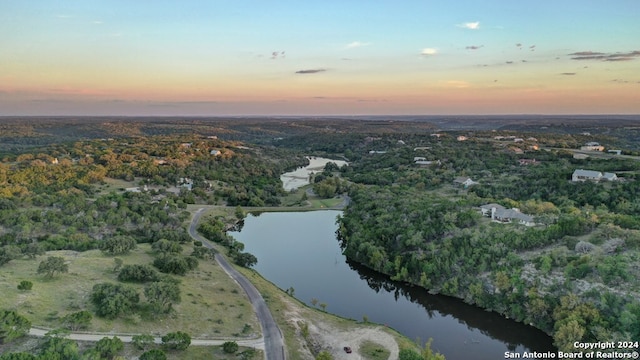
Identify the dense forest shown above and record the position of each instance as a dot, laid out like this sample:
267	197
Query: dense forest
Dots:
574	274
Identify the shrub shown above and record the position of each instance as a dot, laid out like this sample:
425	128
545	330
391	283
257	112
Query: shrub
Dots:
176	340
153	354
138	273
25	285
230	347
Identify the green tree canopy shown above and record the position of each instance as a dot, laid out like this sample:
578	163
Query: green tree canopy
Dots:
12	325
162	294
113	300
176	340
52	265
118	245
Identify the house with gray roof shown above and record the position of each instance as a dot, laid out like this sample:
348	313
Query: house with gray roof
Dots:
499	213
585	175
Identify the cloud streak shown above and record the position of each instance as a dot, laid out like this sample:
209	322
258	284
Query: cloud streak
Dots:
474	47
470	25
428	52
357	44
310	71
600	56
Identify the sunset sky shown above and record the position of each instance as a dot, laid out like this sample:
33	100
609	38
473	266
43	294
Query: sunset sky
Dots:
268	57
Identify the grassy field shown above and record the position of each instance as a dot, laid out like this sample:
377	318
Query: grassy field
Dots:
372	351
212	304
32	346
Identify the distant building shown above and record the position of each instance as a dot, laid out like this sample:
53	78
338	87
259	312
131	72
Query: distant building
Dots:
591	175
421	148
464	181
185	183
586	175
592	146
377	152
462	138
499	213
215	152
617	152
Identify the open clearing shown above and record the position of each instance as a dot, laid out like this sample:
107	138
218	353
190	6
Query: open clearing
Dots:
212	305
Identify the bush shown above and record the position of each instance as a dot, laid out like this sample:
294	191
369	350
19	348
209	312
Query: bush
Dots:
113	300
175	264
78	320
12	325
142	341
25	285
176	340
118	245
109	347
138	273
230	347
153	354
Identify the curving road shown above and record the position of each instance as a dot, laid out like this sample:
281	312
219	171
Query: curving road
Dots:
273	340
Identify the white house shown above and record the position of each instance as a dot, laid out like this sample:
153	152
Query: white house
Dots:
214	152
584	175
610	176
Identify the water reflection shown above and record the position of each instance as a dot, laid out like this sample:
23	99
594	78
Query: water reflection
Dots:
511	333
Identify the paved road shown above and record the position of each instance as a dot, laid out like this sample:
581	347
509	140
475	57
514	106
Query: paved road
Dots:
273	341
254	343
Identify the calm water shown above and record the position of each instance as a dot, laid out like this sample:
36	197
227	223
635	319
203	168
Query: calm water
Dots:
300	250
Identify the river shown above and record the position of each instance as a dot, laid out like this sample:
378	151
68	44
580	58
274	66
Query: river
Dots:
300	176
300	251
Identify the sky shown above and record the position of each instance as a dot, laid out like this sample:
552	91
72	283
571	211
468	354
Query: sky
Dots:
346	57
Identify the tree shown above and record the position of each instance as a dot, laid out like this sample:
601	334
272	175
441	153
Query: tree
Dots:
166	246
113	300
176	340
162	294
143	341
25	285
230	347
52	265
17	356
57	348
138	273
77	320
153	354
8	253
118	245
33	249
246	259
109	347
12	325
239	213
175	264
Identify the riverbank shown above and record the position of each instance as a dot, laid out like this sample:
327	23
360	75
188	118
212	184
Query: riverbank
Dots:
300	177
326	331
